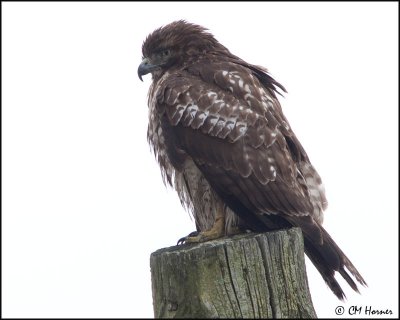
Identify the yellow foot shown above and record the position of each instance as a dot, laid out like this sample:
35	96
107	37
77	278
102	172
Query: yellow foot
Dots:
203	237
217	231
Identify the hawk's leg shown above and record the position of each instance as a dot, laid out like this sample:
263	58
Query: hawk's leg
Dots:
216	231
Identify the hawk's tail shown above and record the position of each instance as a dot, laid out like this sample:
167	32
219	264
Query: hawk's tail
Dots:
329	258
324	253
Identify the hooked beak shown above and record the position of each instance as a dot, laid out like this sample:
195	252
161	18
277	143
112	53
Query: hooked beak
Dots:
146	67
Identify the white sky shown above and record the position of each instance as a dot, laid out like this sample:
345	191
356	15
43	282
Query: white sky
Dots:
83	200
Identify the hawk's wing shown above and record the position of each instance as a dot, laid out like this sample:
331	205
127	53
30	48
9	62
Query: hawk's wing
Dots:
234	130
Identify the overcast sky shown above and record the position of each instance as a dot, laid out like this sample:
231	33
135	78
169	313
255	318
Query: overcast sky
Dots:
83	200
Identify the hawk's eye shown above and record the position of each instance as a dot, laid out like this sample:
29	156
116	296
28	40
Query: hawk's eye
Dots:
166	53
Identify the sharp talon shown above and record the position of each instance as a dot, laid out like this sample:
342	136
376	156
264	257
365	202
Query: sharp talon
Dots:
181	241
184	239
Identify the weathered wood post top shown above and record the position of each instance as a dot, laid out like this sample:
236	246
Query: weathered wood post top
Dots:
252	275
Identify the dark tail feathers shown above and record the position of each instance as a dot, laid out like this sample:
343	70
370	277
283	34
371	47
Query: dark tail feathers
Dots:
329	258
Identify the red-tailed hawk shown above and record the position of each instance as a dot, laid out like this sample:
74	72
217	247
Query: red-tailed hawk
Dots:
221	140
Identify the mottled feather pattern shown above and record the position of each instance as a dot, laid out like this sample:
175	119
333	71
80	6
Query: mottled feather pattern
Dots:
262	151
193	189
189	102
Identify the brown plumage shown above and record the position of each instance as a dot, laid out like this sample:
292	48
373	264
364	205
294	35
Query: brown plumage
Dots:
221	139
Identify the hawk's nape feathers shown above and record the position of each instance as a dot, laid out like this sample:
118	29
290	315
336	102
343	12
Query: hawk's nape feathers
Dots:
221	139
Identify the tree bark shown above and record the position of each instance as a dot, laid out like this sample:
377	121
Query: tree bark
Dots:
246	276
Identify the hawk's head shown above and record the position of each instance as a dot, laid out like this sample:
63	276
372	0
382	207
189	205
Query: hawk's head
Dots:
174	45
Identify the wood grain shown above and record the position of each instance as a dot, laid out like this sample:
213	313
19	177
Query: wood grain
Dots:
246	276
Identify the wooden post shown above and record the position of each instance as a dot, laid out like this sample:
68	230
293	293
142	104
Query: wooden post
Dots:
246	276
